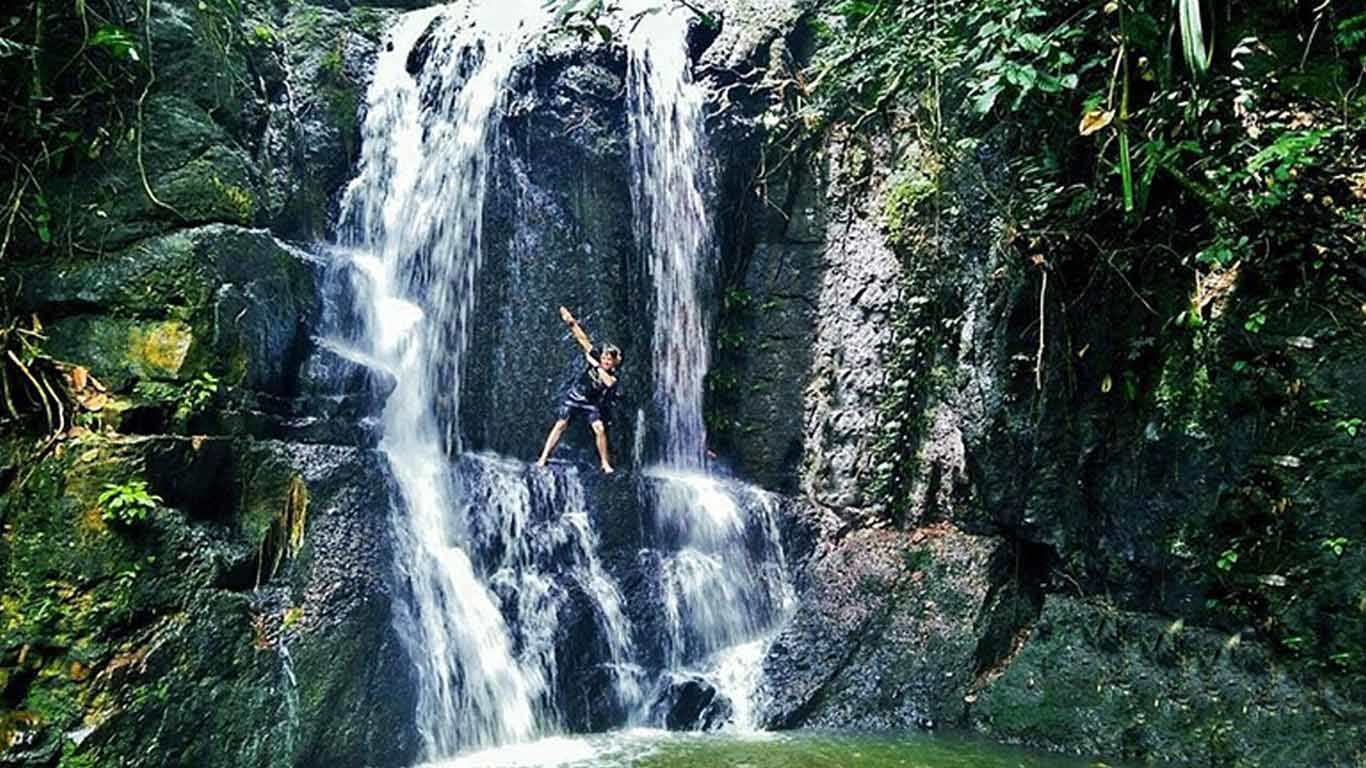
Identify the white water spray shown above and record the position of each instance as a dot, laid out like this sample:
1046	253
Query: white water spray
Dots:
668	158
413	217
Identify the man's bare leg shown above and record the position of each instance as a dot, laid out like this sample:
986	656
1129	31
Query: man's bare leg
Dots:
600	437
550	441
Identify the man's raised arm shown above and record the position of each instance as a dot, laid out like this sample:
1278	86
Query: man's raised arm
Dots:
579	335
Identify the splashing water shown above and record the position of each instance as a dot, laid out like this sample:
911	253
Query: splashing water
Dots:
721	600
530	529
494	556
413	217
725	581
668	156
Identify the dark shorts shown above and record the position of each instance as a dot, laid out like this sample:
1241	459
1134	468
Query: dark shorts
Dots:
572	405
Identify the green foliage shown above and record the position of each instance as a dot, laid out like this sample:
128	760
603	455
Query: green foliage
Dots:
127	503
1350	34
873	56
1018	50
73	758
1197	52
909	190
292	616
332	64
189	398
117	41
72	72
1227	559
196	395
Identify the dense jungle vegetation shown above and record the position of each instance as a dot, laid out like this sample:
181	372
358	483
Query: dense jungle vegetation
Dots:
1191	151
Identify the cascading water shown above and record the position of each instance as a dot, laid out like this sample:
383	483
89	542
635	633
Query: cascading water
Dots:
531	533
412	219
724	580
509	612
716	602
668	159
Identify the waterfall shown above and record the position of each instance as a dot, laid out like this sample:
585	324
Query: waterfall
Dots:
721	598
412	218
532	535
515	621
668	158
724	580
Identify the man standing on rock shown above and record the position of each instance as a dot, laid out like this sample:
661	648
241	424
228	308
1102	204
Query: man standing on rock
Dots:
593	390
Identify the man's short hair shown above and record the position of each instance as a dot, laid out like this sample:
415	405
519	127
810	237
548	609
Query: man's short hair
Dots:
613	350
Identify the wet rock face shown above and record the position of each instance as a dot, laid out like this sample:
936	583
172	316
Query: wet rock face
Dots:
170	636
252	121
558	231
246	621
889	630
691	704
1044	491
1095	680
217	297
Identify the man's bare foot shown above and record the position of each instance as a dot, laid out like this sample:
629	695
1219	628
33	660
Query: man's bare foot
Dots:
607	469
540	462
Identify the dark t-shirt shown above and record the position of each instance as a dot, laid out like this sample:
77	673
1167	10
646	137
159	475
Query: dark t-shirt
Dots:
588	388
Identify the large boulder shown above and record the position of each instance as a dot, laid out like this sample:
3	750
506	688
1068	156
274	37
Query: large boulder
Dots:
245	621
218	298
891	629
1094	680
691	703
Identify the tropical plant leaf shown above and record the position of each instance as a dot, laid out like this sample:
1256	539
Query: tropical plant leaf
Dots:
1197	53
117	40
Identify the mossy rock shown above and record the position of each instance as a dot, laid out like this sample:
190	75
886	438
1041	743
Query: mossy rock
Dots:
1094	680
157	643
217	298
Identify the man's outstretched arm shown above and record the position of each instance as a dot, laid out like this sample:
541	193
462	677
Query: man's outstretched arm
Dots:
579	335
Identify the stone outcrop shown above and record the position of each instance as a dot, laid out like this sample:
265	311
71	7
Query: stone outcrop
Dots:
245	618
922	417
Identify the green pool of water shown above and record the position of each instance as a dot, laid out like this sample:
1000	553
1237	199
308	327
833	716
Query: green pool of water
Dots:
799	749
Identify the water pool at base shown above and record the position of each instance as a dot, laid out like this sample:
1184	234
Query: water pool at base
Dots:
641	748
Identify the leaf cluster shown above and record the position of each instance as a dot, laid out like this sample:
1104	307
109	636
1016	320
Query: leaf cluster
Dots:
127	503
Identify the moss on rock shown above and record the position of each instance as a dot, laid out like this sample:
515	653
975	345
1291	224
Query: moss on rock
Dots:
1095	680
155	640
216	298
